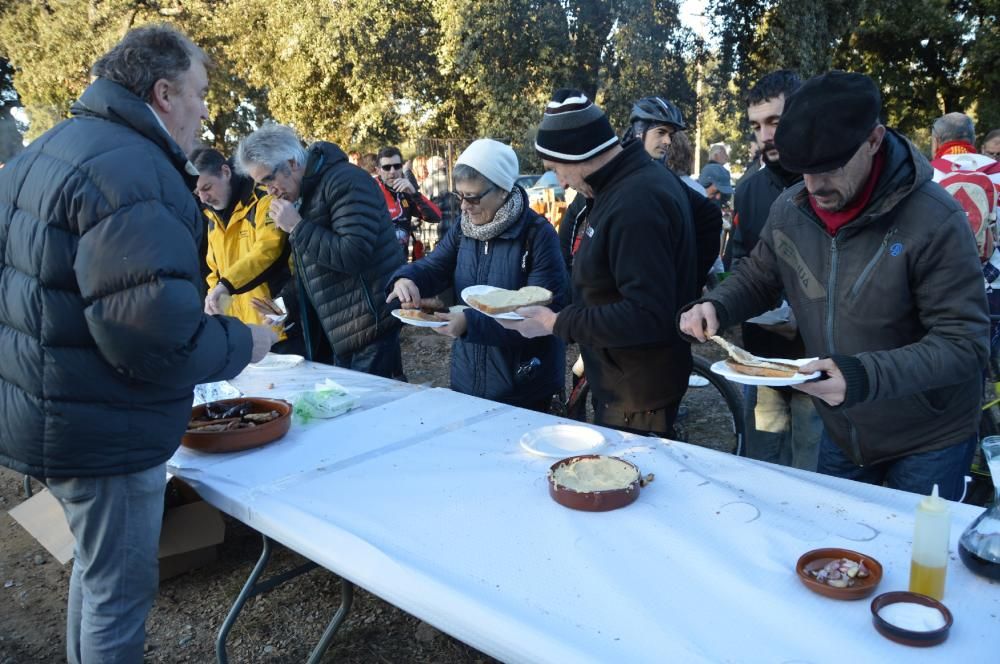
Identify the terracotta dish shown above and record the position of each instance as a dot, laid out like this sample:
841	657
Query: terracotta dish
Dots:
817	558
241	439
905	636
600	500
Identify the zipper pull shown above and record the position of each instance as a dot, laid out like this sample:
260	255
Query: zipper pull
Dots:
486	250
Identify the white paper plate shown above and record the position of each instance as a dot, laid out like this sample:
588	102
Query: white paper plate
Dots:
724	371
479	290
563	440
274	361
418	323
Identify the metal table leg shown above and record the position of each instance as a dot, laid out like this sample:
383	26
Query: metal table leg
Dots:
27	486
346	597
252	588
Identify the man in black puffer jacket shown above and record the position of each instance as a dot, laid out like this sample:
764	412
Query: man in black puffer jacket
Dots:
343	243
102	331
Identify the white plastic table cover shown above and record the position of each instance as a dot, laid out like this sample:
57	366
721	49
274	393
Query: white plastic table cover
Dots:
428	501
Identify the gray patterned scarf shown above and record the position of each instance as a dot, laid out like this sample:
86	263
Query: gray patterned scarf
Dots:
505	217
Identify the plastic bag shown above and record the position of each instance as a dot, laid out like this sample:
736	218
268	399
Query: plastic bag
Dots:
327	400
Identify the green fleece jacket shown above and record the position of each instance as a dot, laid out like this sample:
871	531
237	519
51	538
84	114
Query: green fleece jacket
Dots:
895	298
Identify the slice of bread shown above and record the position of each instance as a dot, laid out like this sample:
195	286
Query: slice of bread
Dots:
760	371
502	301
417	314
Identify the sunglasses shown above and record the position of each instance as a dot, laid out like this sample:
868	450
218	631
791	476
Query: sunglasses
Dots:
473	200
391	167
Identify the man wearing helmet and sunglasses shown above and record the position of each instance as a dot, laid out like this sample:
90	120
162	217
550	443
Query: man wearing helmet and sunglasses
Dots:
654	120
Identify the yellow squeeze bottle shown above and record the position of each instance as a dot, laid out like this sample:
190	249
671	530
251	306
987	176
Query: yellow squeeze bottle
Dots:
931	530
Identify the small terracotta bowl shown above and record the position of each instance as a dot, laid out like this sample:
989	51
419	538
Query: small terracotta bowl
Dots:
818	558
593	501
241	439
905	636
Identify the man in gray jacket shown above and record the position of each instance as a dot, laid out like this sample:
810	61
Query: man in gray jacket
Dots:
102	332
880	267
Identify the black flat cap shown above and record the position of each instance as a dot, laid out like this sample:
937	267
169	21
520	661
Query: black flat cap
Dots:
826	120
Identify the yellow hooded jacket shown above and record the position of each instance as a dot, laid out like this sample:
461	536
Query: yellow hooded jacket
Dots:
249	254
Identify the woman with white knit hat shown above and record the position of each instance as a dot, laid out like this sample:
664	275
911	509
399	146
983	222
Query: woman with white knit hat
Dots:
500	241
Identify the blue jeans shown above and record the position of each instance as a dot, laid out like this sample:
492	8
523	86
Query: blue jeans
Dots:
917	473
782	427
381	357
116	522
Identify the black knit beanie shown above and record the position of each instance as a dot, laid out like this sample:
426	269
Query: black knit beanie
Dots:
573	129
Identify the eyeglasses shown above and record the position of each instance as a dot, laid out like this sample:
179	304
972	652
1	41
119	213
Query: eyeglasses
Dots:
473	199
391	167
268	179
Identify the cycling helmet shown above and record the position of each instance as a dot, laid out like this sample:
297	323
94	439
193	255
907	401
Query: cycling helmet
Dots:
657	110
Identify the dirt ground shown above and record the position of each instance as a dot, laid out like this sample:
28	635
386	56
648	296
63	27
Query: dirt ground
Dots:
277	626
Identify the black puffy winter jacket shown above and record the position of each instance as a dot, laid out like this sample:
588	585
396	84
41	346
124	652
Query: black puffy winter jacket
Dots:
345	249
102	331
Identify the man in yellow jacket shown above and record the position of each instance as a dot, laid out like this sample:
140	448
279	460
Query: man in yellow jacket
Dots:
247	254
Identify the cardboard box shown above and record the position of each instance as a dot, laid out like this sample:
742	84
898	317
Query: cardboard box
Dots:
190	533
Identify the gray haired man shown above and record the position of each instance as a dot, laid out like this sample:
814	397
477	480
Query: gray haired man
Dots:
343	244
101	323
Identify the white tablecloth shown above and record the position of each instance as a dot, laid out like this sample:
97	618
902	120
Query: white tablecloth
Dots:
425	498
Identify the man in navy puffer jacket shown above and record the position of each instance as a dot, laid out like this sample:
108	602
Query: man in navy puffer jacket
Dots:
101	324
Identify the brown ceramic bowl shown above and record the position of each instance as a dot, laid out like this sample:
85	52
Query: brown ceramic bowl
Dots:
593	501
817	558
241	439
909	637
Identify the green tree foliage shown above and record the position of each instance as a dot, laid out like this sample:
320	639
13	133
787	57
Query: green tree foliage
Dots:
929	57
647	55
52	45
500	60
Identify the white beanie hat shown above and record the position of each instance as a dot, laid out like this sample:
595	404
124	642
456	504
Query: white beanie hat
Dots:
495	161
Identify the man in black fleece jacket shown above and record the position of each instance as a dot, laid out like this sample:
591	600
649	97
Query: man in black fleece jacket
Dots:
635	265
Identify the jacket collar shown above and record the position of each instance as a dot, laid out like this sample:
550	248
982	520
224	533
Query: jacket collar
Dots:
632	157
244	195
321	157
110	101
515	229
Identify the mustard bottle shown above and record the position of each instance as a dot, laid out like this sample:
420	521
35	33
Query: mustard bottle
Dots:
931	530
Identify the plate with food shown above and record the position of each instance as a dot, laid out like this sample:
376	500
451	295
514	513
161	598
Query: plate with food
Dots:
595	483
748	369
232	425
418	318
839	573
501	303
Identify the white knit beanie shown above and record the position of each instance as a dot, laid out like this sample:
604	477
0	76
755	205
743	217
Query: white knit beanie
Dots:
495	161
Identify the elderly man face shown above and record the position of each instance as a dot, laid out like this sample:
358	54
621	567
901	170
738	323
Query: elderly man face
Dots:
571	176
834	190
181	105
282	181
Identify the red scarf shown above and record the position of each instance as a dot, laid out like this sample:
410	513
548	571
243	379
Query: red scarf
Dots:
954	147
834	220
